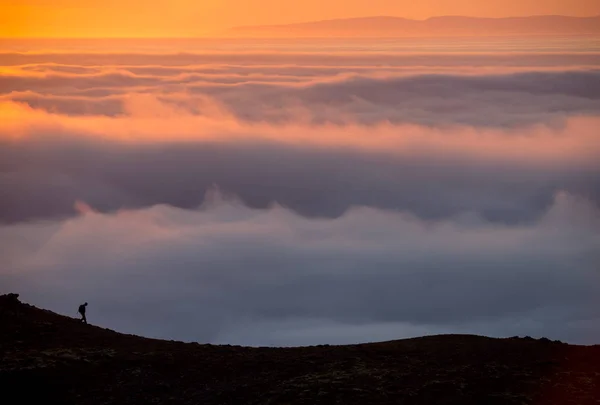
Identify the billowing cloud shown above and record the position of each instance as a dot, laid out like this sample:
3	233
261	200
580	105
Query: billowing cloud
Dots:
50	161
377	194
357	95
217	273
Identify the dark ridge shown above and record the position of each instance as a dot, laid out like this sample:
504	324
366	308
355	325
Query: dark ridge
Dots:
442	26
51	359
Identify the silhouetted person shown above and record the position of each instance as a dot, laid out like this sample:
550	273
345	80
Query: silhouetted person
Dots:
82	312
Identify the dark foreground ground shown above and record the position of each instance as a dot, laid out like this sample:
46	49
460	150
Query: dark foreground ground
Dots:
46	358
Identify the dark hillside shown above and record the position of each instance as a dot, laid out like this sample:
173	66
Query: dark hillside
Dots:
54	359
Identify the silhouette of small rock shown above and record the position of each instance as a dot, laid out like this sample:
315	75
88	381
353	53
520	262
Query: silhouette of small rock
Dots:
9	302
10	297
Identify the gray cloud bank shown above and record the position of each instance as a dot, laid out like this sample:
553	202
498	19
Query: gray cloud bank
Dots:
229	274
320	95
43	179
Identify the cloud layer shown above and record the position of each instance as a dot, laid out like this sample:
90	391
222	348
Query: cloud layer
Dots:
377	194
228	273
162	155
501	96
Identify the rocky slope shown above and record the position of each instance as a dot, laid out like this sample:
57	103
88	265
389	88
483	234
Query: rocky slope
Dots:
46	358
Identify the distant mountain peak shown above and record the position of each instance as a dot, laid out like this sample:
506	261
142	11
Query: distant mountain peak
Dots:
390	26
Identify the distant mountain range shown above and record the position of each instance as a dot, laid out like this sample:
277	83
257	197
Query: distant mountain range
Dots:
432	27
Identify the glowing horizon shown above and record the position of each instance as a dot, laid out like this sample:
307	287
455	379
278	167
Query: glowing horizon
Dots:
188	19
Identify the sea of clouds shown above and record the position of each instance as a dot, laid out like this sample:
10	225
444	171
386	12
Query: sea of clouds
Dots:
295	198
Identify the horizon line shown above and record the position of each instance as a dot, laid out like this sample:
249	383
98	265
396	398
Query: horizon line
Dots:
423	19
222	33
299	38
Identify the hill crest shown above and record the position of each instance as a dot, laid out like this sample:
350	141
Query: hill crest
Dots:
63	361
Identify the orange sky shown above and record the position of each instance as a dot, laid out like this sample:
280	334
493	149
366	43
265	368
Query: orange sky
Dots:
185	18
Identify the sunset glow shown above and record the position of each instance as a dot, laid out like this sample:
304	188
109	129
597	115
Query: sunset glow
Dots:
188	18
